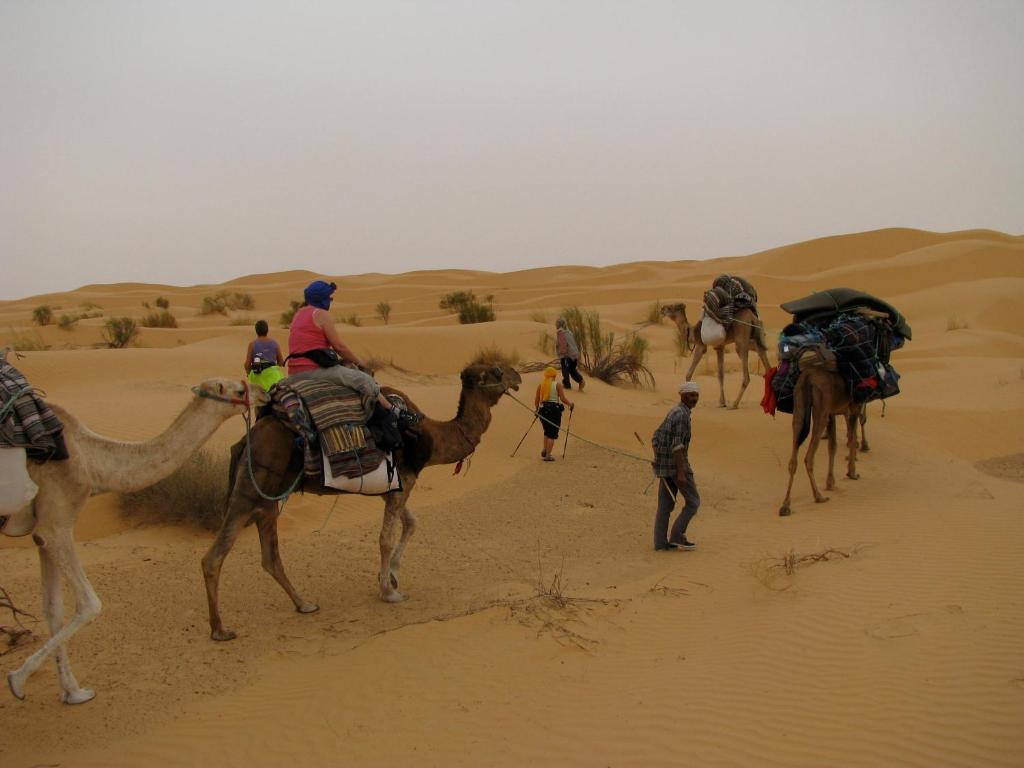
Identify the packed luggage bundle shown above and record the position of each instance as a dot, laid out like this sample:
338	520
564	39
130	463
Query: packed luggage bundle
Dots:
842	330
728	295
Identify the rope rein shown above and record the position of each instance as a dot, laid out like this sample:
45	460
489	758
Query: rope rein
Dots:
578	436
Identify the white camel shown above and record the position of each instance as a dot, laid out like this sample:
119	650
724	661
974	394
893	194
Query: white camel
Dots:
99	465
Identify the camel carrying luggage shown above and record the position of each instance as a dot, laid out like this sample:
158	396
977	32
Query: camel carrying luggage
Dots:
843	330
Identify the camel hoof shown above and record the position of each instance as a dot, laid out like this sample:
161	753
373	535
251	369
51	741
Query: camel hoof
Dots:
784	511
17	689
308	608
864	448
854	476
223	635
393	597
81	696
821	500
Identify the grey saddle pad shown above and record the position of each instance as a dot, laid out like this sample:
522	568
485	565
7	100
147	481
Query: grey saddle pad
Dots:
836	300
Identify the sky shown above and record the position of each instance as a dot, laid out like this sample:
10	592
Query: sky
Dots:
194	142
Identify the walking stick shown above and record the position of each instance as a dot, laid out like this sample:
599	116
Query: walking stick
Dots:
566	445
526	433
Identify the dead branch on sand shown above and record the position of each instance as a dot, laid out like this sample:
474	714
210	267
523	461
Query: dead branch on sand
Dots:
769	570
14	634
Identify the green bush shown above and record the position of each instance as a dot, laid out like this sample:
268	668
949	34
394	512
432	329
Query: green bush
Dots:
42	315
67	322
161	319
240	301
453	302
286	317
469	310
222	301
604	356
162	302
196	493
120	331
384	311
476	313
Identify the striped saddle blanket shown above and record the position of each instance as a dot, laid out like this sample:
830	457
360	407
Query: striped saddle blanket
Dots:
26	421
332	422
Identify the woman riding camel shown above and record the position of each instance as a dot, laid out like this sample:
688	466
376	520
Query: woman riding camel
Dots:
316	351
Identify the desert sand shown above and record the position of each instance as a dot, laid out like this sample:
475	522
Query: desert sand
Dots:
908	652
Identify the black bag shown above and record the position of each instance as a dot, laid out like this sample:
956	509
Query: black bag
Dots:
325	358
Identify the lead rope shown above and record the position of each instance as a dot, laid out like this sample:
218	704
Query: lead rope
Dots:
252	475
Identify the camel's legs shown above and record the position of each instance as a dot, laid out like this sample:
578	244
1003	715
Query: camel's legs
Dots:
720	354
267	526
60	558
830	481
863	428
851	444
743	351
821	419
698	352
213	561
408	528
393	503
801	416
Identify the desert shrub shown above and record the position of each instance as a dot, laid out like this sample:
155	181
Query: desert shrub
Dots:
604	356
538	317
67	322
476	313
89	313
286	316
87	305
145	305
222	301
492	355
352	320
196	493
162	302
25	342
242	320
42	315
452	302
161	319
384	311
120	331
654	316
954	323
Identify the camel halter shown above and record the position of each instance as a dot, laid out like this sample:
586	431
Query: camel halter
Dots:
232	400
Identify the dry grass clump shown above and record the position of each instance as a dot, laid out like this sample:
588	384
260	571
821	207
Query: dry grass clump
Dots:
954	323
161	319
42	315
195	494
654	316
67	322
162	302
604	356
383	311
222	301
492	355
25	342
17	633
468	308
352	320
120	332
537	316
287	315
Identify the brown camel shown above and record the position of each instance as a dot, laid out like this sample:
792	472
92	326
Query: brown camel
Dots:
822	395
745	332
99	465
276	464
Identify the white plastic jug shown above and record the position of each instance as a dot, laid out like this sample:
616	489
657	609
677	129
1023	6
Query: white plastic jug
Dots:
16	493
712	333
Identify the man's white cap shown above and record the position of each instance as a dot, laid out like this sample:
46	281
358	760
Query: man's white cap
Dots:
690	386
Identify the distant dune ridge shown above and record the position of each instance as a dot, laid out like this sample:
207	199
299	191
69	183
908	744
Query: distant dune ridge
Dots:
906	652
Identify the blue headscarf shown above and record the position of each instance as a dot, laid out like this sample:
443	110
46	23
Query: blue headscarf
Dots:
318	294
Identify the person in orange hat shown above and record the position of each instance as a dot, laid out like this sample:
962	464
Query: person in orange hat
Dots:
548	403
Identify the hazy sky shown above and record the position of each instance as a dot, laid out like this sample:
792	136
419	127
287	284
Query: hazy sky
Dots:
187	142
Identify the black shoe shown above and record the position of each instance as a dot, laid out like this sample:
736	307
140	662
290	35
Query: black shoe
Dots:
684	544
669	547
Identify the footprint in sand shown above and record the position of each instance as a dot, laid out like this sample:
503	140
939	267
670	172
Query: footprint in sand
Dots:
911	624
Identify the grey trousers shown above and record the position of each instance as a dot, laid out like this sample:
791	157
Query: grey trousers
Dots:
667	490
363	383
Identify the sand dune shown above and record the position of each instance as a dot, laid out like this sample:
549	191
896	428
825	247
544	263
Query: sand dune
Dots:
906	652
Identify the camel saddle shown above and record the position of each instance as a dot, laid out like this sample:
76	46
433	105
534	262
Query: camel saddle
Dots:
26	421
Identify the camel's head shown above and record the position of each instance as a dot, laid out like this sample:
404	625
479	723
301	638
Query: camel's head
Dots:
674	311
496	379
233	391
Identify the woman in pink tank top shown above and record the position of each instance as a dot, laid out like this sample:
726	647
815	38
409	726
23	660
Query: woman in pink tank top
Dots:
312	328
